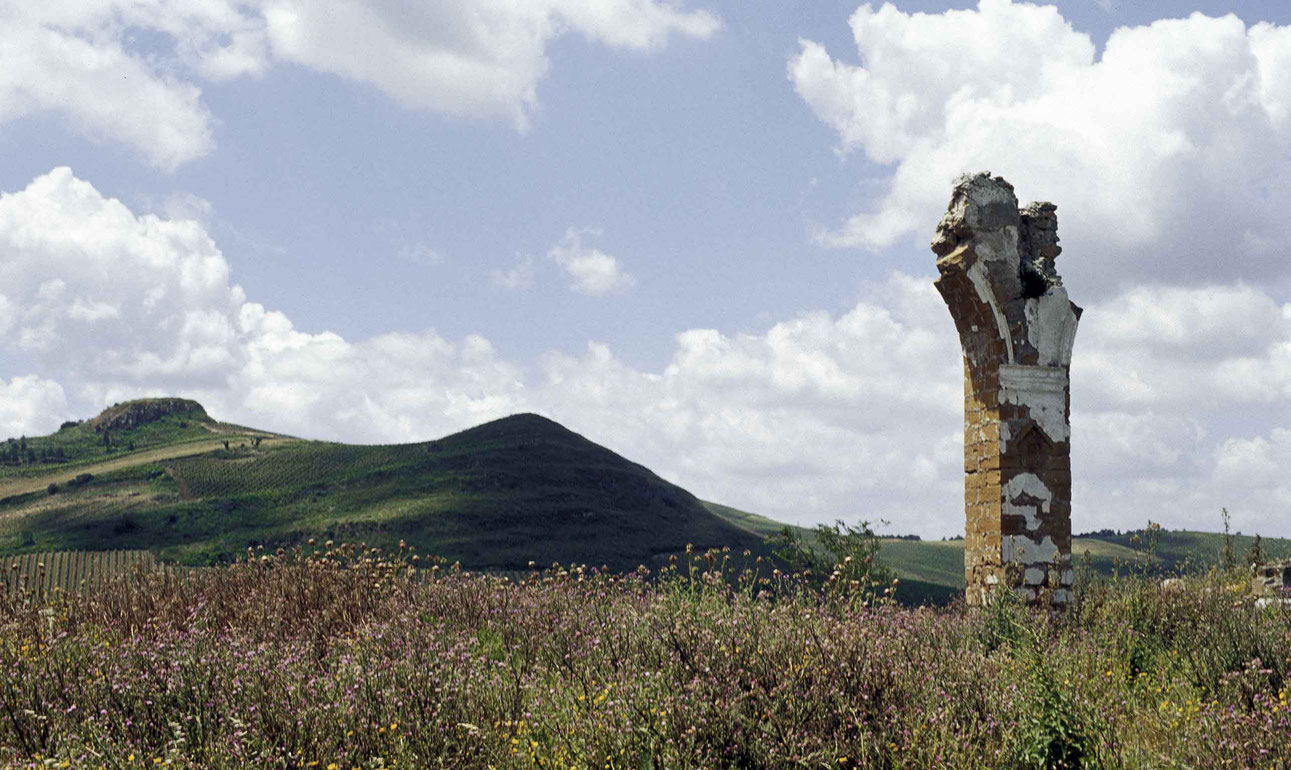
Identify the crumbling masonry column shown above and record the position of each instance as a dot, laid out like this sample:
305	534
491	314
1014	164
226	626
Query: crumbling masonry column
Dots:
1016	327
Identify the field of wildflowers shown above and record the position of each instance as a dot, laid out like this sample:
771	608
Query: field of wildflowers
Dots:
346	658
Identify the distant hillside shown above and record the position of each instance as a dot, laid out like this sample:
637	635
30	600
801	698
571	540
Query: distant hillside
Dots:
933	570
495	496
1179	548
941	563
161	475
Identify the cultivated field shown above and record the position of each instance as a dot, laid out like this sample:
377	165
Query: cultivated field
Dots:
342	660
70	570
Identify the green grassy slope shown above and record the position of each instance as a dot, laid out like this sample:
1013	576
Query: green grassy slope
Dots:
759	525
496	496
933	570
1178	548
83	443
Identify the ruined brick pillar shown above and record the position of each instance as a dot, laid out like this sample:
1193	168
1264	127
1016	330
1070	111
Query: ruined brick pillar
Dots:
1016	327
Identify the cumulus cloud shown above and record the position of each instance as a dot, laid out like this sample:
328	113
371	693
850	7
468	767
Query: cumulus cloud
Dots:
123	305
80	268
1205	349
475	59
27	402
854	416
84	61
594	272
1170	147
819	416
1251	472
72	59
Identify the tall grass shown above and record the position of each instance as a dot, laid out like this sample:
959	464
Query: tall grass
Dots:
346	659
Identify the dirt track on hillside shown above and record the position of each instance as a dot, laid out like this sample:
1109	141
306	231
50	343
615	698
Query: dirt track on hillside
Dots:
62	475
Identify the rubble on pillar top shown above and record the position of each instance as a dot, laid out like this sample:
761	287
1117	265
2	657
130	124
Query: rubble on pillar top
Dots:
982	204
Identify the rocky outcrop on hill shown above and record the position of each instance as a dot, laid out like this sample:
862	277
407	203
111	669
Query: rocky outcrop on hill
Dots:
134	413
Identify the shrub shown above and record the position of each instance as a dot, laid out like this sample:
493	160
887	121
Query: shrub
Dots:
347	656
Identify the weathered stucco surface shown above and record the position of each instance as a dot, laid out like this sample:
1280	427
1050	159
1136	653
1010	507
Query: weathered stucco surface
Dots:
1016	327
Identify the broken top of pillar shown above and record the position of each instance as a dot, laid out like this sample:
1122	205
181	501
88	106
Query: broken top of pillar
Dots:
998	276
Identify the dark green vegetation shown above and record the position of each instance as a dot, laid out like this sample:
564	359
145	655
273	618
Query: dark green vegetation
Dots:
933	570
345	658
157	475
116	431
497	496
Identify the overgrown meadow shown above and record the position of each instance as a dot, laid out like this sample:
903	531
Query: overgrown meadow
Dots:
347	658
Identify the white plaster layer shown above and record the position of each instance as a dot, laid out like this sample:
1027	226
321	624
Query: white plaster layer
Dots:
982	282
1027	484
1051	327
1023	549
1043	391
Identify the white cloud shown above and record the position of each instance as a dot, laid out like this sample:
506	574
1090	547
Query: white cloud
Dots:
86	61
1202	349
420	254
594	272
1170	147
8	315
80	269
122	305
29	405
482	58
185	205
855	416
819	416
515	278
75	63
1252	481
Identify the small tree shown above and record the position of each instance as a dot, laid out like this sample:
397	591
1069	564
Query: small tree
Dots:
1256	555
847	555
1227	558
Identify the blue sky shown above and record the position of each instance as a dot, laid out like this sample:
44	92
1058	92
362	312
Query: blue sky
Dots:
696	233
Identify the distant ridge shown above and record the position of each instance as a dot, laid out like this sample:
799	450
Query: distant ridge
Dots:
519	489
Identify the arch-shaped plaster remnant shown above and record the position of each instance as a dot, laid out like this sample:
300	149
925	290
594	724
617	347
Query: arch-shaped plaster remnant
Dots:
1043	391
